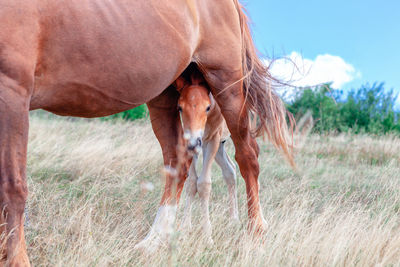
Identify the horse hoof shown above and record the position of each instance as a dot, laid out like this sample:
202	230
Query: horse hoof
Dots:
258	229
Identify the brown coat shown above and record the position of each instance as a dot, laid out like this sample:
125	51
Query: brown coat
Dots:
215	123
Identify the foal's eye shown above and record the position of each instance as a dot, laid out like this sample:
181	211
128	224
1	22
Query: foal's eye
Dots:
208	108
179	108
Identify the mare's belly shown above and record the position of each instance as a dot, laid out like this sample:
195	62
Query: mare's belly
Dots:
82	100
98	59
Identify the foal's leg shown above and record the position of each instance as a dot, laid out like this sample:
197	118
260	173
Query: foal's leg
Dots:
167	128
229	174
191	190
204	183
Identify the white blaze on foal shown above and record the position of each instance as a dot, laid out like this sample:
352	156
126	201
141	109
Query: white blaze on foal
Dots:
204	128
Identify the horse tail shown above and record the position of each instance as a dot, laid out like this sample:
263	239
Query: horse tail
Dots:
262	101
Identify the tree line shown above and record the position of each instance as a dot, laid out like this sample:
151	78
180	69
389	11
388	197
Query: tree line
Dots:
368	109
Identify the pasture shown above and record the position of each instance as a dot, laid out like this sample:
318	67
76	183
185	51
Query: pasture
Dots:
89	201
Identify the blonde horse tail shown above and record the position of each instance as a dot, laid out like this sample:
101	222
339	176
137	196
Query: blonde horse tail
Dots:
262	101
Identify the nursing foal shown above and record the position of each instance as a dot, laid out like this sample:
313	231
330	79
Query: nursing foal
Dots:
204	128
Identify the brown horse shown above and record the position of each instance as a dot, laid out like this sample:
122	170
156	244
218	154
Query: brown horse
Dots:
204	128
93	58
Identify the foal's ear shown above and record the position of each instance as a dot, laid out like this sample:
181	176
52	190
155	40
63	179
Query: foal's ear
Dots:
180	83
212	99
197	78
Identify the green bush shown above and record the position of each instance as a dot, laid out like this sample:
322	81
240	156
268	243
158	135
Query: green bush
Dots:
132	114
368	109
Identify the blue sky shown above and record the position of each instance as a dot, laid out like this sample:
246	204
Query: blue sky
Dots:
361	38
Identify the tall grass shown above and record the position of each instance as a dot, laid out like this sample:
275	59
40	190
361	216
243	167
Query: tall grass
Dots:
87	205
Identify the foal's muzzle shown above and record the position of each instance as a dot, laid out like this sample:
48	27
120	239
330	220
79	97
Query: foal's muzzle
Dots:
194	145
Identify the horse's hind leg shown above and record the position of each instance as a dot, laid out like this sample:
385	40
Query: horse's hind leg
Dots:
224	77
229	174
167	127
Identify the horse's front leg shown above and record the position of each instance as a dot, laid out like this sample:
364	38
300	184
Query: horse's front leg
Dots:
168	130
14	122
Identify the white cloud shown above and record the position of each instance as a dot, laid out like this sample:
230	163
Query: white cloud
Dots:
301	72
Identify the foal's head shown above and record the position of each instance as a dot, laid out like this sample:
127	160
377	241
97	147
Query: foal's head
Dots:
194	104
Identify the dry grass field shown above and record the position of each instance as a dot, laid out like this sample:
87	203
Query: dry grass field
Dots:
87	205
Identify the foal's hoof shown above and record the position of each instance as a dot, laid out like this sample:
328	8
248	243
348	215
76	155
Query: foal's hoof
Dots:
186	227
209	242
235	220
148	246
